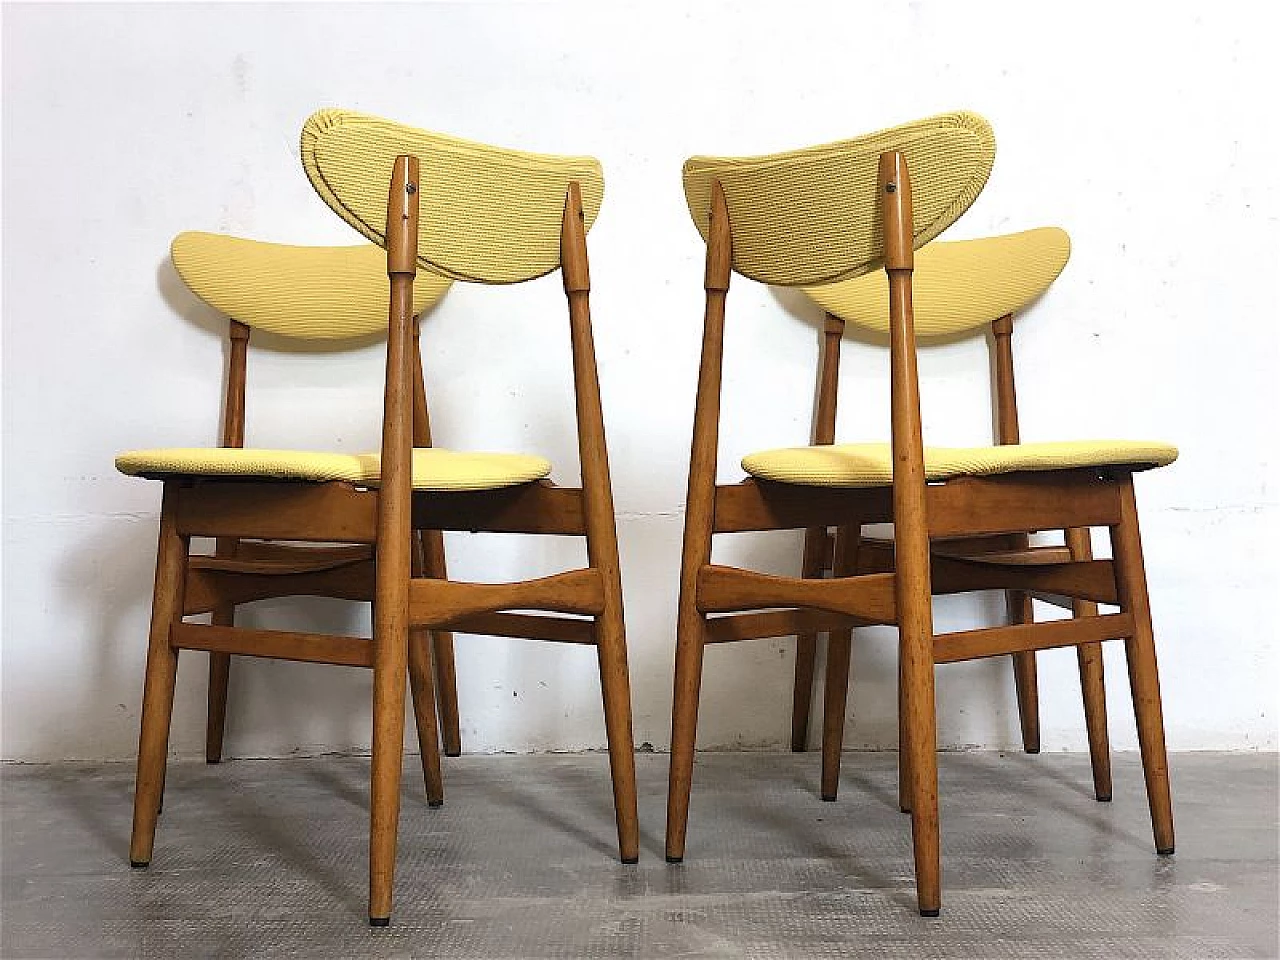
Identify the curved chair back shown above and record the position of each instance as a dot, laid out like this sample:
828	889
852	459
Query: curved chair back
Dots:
957	287
811	216
315	293
488	214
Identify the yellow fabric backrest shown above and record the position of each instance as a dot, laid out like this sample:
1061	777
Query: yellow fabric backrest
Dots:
324	293
488	214
811	216
957	286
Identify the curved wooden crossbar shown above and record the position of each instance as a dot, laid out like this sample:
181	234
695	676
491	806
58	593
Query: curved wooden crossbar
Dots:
726	589
435	603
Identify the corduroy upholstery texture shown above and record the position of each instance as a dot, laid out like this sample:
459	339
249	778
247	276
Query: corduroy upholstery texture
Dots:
957	286
487	214
812	216
325	293
871	464
433	468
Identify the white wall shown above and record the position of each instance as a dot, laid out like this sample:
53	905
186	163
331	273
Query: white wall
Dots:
1139	130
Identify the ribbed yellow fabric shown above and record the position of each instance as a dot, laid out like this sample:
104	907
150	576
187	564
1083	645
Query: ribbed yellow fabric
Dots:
324	293
488	214
812	216
957	286
434	468
871	464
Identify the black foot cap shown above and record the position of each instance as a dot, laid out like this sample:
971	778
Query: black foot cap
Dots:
139	864
435	803
929	913
828	798
635	859
1032	750
906	810
1104	799
379	921
453	753
671	859
1166	852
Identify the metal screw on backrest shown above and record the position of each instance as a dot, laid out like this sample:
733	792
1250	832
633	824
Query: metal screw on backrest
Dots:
410	188
890	188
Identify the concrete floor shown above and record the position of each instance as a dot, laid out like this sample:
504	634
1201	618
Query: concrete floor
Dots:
267	859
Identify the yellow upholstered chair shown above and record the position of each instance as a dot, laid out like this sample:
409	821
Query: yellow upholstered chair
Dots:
958	289
305	294
488	215
830	214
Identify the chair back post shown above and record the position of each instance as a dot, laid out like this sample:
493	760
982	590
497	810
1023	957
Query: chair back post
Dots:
700	503
912	586
393	547
824	420
1006	395
592	454
421	416
233	405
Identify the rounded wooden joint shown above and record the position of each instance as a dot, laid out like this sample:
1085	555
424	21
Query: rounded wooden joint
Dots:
402	217
895	203
1003	326
573	242
833	324
238	330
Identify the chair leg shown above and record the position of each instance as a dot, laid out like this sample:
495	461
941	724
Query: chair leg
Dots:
802	691
1144	679
446	679
904	755
162	670
1092	686
219	677
422	684
690	639
446	675
922	761
1024	675
839	646
814	564
615	688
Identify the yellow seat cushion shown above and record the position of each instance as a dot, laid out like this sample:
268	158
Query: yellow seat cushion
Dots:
871	464
433	468
959	285
313	292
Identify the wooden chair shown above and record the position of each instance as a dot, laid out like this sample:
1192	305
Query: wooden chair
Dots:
958	289
329	294
829	214
491	216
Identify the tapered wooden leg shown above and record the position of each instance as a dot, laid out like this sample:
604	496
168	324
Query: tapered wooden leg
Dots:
815	549
615	687
802	690
1024	675
1144	679
389	674
904	755
839	646
922	757
422	684
162	670
690	633
1092	686
219	676
446	675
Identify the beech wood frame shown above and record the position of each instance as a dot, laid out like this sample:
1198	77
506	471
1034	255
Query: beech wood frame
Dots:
900	591
391	557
